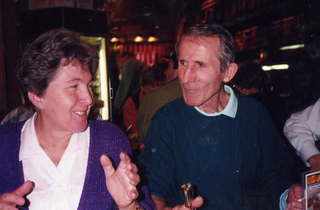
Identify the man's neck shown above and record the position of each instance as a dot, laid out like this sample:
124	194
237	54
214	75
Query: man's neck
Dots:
217	105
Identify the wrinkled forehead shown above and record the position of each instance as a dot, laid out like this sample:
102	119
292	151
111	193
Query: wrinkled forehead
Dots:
206	41
209	45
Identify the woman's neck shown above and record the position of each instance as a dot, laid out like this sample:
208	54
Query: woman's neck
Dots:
52	142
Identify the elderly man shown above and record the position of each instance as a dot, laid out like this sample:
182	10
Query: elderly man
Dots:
225	145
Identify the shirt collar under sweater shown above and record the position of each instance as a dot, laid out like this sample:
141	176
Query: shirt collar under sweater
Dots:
231	108
57	186
33	147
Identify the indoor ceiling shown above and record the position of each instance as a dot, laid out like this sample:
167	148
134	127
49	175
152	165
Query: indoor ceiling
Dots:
146	17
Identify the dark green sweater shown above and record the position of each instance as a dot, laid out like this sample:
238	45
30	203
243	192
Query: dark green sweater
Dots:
235	163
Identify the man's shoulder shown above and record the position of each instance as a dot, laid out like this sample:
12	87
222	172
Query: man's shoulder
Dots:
247	102
250	109
173	110
175	105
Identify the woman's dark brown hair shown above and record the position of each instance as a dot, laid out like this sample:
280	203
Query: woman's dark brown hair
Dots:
47	53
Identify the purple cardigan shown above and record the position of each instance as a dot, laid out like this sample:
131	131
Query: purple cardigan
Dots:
105	138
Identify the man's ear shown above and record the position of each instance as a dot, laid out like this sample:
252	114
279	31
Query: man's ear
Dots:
35	100
230	72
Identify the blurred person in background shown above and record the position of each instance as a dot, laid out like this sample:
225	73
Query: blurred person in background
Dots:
129	85
302	129
130	70
251	80
20	113
167	92
131	105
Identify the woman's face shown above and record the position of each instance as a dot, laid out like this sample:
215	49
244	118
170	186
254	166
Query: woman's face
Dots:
66	102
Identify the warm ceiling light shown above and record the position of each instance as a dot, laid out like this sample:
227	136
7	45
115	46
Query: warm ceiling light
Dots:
138	39
114	39
152	39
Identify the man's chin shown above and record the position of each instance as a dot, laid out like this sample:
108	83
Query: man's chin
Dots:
191	102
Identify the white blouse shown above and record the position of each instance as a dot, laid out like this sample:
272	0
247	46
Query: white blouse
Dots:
56	187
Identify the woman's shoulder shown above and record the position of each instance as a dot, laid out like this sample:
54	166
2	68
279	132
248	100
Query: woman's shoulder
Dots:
11	128
10	136
108	138
102	124
105	128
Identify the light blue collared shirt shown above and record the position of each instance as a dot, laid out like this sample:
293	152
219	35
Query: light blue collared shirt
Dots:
230	110
283	200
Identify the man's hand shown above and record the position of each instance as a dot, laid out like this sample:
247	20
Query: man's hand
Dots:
121	182
295	193
314	162
9	201
161	204
196	203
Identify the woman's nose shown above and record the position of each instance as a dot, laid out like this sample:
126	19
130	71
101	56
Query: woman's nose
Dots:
87	97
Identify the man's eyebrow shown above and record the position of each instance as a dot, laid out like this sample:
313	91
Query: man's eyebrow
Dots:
199	62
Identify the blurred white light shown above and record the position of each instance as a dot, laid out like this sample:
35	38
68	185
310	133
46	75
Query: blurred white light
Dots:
292	47
280	66
275	67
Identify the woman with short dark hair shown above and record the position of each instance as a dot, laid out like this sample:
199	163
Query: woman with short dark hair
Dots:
57	159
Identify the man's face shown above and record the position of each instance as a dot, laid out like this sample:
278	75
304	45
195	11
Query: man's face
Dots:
199	71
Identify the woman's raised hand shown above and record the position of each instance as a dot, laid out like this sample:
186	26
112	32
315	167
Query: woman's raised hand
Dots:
121	182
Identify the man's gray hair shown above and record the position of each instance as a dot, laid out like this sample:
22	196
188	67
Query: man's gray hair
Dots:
226	55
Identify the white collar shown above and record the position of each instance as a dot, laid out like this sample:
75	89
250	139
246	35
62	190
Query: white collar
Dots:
30	145
231	107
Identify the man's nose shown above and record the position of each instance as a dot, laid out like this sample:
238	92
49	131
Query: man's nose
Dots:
187	74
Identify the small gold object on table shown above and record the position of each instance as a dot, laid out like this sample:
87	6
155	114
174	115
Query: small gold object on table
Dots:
188	195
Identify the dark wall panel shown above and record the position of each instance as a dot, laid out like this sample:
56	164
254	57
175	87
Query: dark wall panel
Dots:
3	95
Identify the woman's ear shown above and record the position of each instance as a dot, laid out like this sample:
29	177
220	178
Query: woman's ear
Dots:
35	100
230	72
